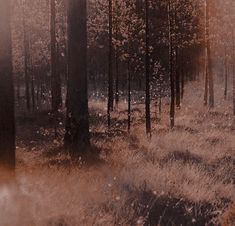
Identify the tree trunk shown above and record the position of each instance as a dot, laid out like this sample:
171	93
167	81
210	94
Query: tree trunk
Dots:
225	74
32	82
26	60
172	78
117	82
129	95
7	120
33	91
182	77
77	138
18	90
55	76
233	59
147	71
209	61
177	80
206	81
110	73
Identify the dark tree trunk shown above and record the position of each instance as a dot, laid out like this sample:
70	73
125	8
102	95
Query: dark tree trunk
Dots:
32	83
171	70
233	59
110	73
177	80
117	82
225	74
18	90
7	120
182	75
116	64
182	83
129	95
33	91
209	61
147	71
206	81
77	138
55	76
26	61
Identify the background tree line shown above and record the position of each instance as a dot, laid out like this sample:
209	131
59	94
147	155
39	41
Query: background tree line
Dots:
64	52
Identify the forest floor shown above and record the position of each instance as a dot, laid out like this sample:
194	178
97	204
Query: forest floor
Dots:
182	176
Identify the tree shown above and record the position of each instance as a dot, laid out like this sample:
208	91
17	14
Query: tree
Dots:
7	121
110	71
26	58
147	70
208	57
55	77
171	65
233	59
77	119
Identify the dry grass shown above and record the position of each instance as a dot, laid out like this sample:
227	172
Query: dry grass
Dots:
183	176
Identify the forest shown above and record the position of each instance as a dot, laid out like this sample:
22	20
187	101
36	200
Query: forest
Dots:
117	112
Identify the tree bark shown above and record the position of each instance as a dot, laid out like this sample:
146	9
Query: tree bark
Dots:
171	70
233	59
225	74
177	80
110	72
7	120
77	138
55	76
26	60
209	61
147	71
129	95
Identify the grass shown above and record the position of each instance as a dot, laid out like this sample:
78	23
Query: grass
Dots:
183	176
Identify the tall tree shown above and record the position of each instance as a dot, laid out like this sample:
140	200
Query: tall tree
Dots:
233	59
7	121
26	57
77	120
110	72
171	65
55	76
209	61
225	73
147	70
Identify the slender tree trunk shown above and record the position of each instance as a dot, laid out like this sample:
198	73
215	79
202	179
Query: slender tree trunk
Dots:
117	82
177	80
129	95
225	74
33	91
116	62
233	59
182	72
110	73
18	89
77	138
38	87
147	71
26	60
171	70
182	84
206	80
209	61
7	118
32	77
55	76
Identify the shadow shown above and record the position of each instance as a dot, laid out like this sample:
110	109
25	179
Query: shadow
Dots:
60	157
154	210
182	156
182	128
